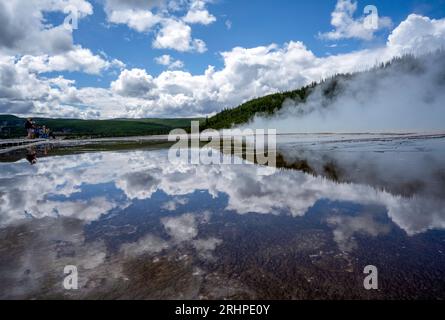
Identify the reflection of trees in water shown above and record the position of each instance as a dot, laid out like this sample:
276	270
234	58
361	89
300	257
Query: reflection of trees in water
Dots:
414	175
402	173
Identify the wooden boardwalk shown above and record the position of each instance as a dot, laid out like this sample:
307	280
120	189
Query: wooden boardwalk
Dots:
9	145
16	142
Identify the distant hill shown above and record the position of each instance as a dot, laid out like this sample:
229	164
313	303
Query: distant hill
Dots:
268	105
13	127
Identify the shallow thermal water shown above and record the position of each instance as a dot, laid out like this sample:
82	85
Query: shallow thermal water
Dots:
139	226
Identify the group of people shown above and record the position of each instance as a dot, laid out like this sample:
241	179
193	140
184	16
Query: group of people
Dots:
36	132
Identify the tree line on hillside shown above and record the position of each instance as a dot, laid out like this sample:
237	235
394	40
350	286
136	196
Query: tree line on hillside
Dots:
268	105
14	127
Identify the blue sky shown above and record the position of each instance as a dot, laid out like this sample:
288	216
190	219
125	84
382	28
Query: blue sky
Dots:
111	64
253	23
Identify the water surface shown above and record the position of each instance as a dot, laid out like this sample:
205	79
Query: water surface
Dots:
138	226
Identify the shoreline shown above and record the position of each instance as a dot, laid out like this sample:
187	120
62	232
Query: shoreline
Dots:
323	138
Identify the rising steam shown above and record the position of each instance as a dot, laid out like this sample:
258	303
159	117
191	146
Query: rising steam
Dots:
406	95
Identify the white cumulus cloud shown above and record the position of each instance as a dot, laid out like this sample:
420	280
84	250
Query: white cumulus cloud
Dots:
346	27
23	29
177	35
134	82
171	31
199	14
168	61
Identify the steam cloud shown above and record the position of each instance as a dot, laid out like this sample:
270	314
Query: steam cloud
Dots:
408	95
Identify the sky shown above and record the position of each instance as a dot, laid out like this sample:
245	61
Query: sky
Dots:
183	58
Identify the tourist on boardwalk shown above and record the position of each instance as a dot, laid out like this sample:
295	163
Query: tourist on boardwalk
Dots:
29	126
